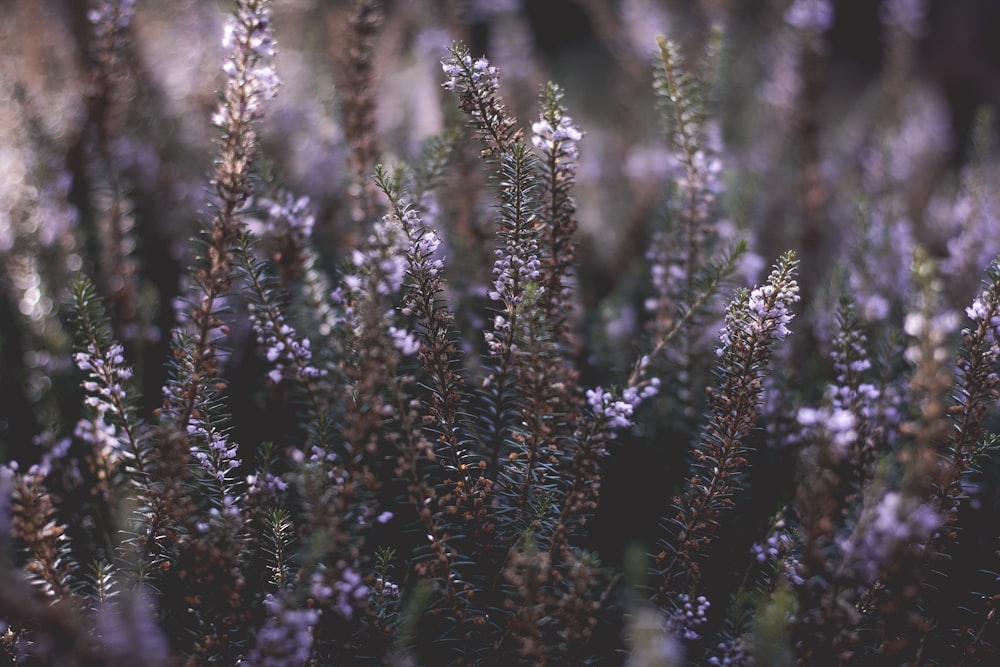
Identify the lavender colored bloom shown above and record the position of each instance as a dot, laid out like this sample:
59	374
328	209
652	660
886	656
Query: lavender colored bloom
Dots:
652	642
766	315
350	591
688	613
485	76
838	426
248	37
381	262
217	456
560	141
897	520
616	412
286	638
734	652
129	633
288	211
404	341
385	588
284	348
810	15
267	486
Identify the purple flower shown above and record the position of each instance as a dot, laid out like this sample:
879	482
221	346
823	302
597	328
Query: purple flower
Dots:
286	638
688	613
129	633
896	521
810	15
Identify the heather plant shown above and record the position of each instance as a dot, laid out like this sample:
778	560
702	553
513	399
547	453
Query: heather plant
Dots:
415	381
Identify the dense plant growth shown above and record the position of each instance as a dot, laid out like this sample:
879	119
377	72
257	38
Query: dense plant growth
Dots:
427	384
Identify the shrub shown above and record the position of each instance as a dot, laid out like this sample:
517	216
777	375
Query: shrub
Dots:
425	415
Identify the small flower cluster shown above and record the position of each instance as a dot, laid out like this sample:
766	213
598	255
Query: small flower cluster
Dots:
219	456
810	15
930	331
981	311
129	631
838	427
108	372
286	211
267	486
771	315
849	362
347	594
559	142
897	520
513	270
351	592
286	638
383	258
776	551
617	412
248	36
385	588
404	341
422	255
479	71
777	544
767	312
284	349
108	376
734	652
688	613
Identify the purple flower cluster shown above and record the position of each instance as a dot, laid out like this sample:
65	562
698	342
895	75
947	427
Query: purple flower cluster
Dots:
267	486
422	256
486	77
767	313
286	211
810	15
615	412
347	593
838	427
129	632
386	589
248	36
218	457
404	341
776	550
381	262
108	372
896	521
287	352
558	141
107	375
515	268
688	613
286	639
734	652
981	311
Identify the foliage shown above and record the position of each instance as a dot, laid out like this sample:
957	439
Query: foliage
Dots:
462	395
